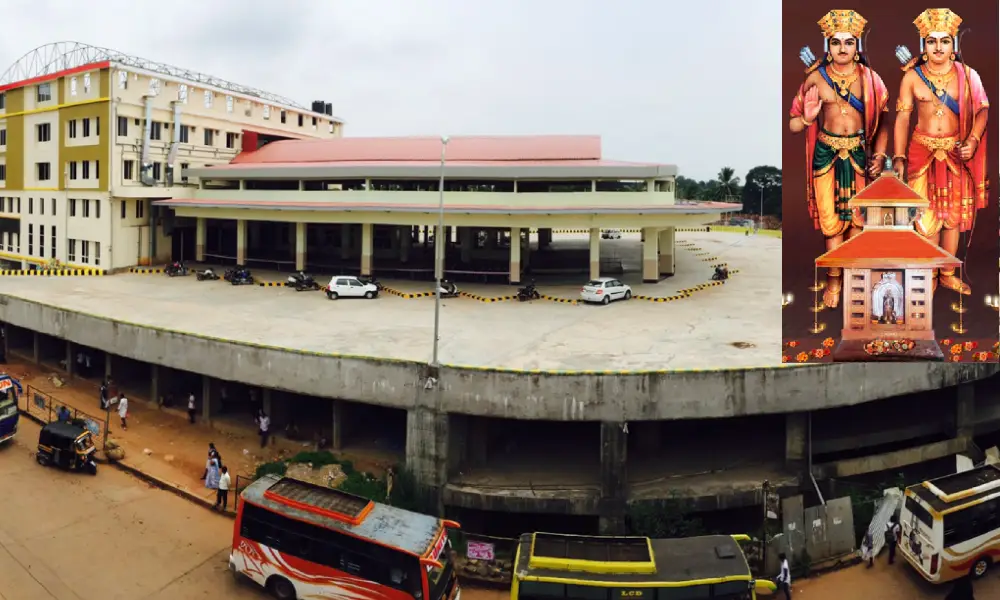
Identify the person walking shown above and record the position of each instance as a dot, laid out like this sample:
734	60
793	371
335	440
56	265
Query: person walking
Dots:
212	474
222	496
123	411
263	428
892	532
104	395
785	577
868	549
191	407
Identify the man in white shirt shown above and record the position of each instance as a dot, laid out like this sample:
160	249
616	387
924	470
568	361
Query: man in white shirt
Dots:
892	531
222	496
785	577
192	407
264	424
123	411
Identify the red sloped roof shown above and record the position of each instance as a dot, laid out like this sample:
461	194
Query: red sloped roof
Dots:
400	149
873	248
889	188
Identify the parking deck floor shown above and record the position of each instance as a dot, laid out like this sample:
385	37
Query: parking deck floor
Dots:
730	326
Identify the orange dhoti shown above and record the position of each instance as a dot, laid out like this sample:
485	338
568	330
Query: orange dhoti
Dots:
937	173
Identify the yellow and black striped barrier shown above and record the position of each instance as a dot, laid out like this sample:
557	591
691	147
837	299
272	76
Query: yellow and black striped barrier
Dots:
144	271
486	298
407	295
560	300
662	298
710	258
53	273
602	230
270	283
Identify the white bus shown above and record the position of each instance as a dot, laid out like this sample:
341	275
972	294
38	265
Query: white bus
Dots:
951	525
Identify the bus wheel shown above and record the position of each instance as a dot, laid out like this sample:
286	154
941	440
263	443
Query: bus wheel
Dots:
980	567
281	588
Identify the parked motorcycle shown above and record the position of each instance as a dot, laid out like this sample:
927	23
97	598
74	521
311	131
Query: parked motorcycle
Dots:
301	282
448	289
175	269
232	273
721	274
528	292
371	279
241	276
207	275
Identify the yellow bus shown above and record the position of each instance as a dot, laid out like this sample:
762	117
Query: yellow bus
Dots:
951	525
572	567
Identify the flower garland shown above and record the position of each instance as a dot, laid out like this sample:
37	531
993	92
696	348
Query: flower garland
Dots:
956	351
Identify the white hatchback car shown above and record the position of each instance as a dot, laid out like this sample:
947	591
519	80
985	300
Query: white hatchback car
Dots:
349	286
605	290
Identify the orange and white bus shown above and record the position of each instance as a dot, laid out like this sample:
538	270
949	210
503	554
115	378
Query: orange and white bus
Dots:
951	525
300	540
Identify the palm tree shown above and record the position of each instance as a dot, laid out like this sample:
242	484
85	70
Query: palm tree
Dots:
728	183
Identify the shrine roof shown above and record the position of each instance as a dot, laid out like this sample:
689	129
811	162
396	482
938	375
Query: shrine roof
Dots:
888	248
888	190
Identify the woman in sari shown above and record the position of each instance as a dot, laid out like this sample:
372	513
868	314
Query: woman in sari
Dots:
212	473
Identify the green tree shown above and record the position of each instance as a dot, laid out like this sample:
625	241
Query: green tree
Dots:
768	179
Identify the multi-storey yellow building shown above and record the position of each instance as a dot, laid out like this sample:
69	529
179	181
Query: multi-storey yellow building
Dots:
89	137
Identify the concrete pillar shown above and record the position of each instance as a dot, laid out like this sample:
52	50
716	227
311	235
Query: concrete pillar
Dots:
650	256
796	440
614	479
595	252
965	412
199	239
427	451
154	385
70	359
265	401
241	242
300	246
544	238
345	241
206	398
108	359
337	429
36	351
467	242
367	243
666	251
405	243
515	255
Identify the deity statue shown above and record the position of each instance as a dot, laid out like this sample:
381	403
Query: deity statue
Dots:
945	159
839	107
887	299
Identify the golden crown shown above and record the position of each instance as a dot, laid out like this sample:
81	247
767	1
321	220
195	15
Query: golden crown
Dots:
938	19
842	21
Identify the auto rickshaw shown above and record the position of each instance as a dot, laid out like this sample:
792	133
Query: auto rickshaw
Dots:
69	445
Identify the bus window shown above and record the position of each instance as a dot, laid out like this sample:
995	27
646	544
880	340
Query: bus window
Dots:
587	592
540	589
696	592
731	590
919	511
970	523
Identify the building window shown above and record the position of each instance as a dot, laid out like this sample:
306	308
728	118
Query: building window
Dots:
301	120
284	116
267	112
44	132
209	99
182	93
184	168
53	246
128	170
185	131
71	250
3	101
122	80
3	136
157	171
97	253
332	127
86	83
72	207
209	137
43	93
72	170
53	201
122	204
140	209
86	168
154	87
72	86
122	126
314	122
31	234
230	140
41	241
72	129
3	172
155	131
86	208
41	206
86	127
85	252
44	172
229	104
31	206
97	126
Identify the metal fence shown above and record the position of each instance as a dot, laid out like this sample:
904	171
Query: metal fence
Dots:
45	407
485	558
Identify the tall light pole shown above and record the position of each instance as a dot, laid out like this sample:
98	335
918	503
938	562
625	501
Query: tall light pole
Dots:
439	255
761	224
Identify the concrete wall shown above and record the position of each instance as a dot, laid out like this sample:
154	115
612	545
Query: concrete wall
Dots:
516	395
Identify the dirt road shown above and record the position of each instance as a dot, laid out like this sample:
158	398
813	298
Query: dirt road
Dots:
65	536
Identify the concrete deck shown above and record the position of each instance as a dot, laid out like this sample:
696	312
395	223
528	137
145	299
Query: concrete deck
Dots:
693	333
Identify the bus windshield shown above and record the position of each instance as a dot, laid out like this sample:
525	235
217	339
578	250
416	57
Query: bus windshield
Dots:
919	511
436	580
8	407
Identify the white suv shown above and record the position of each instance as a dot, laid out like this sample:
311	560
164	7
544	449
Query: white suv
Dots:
349	286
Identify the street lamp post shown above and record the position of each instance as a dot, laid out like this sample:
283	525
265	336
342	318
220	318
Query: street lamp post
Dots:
439	255
761	225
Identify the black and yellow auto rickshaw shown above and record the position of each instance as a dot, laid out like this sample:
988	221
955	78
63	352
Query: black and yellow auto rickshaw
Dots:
68	445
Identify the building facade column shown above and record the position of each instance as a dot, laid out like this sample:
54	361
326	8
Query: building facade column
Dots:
200	231
515	255
467	242
36	349
367	245
614	479
345	241
796	440
965	412
427	451
405	233
206	398
337	427
300	246
241	242
595	252
108	359
69	358
650	256
666	251
154	384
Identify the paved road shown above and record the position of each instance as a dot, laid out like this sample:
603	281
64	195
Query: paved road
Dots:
65	536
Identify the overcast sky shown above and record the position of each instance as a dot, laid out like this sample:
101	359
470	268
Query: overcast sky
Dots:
694	83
